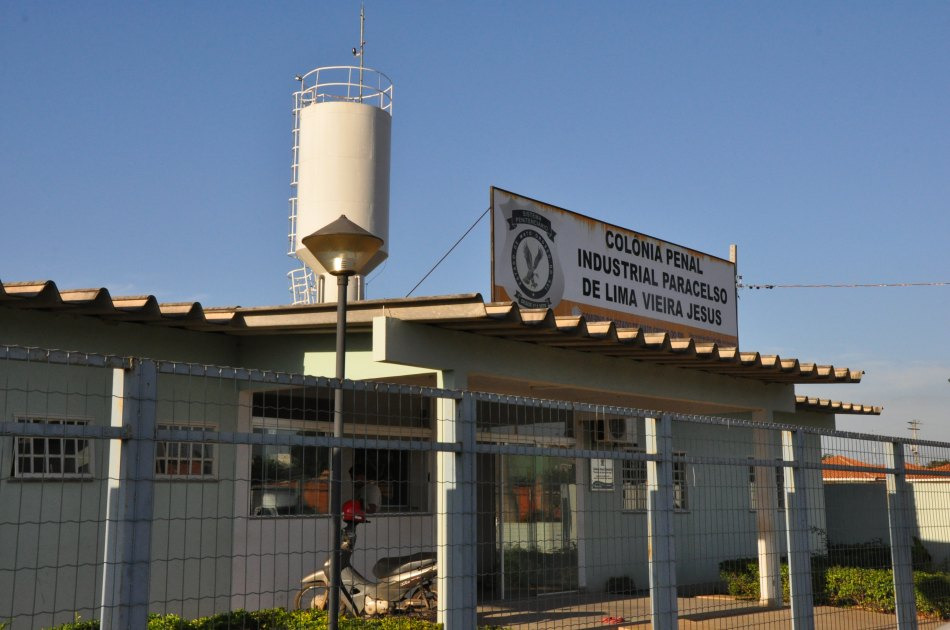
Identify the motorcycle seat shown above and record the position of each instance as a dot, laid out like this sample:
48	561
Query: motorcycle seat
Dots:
388	566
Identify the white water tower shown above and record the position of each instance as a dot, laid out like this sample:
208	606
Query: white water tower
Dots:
342	131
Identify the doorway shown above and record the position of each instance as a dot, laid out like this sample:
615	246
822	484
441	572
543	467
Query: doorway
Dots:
536	537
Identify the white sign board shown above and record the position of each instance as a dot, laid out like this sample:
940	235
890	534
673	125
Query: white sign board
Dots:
548	257
601	474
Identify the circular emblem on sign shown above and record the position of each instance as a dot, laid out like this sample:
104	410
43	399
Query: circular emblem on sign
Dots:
532	263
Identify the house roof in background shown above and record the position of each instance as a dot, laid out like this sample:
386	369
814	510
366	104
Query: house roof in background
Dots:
840	475
466	313
809	403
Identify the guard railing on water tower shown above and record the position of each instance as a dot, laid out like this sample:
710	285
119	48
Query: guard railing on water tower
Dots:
346	83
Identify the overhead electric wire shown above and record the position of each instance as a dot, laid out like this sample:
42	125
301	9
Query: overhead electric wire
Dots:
445	255
739	285
842	286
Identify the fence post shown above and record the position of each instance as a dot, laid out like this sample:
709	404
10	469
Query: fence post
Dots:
899	525
766	516
455	514
796	519
663	605
129	505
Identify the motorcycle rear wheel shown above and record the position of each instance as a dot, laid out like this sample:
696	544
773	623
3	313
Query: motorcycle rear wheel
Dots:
423	598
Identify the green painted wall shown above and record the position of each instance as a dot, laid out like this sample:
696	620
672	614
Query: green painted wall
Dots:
53	529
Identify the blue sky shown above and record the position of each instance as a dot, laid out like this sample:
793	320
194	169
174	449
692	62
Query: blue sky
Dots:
145	147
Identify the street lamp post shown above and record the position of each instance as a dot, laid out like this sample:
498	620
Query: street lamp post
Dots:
343	249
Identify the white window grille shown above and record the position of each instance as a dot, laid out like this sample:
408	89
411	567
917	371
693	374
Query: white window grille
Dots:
185	460
779	487
680	484
52	457
634	476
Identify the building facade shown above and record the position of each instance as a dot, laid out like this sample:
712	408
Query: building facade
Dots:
238	527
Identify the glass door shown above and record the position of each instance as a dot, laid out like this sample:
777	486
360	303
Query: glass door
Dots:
537	528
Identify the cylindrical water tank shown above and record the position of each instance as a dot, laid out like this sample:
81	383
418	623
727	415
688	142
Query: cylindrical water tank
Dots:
343	168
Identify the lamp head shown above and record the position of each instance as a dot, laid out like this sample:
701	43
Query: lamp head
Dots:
342	247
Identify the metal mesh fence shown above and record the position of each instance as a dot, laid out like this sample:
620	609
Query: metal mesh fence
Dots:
131	487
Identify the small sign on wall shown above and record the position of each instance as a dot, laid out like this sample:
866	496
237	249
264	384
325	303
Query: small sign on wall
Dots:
601	474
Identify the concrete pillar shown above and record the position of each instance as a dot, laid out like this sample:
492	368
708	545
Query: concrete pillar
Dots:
659	441
796	519
900	525
456	510
244	582
766	514
129	499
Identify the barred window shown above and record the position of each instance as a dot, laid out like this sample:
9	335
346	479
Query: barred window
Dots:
193	460
48	457
289	479
634	475
635	486
293	480
680	484
779	487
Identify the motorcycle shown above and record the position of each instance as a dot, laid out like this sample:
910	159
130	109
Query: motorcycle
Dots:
401	583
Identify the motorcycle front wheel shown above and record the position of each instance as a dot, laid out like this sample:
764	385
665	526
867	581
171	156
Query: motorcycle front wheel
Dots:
314	595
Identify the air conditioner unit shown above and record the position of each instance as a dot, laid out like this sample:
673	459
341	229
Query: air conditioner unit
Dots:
614	431
623	430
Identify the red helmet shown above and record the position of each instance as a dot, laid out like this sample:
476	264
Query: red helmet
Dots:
353	512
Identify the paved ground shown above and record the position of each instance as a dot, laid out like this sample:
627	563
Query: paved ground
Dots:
583	612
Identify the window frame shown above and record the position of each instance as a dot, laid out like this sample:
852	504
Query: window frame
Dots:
190	461
779	486
269	426
680	482
629	472
325	428
88	449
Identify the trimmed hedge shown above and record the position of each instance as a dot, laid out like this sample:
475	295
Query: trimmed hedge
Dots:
871	589
742	578
270	619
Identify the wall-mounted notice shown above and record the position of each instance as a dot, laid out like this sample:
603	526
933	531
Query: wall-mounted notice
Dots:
601	474
548	257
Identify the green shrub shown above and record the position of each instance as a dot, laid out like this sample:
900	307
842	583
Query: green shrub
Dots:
932	593
270	619
873	554
868	588
876	554
79	624
742	578
872	589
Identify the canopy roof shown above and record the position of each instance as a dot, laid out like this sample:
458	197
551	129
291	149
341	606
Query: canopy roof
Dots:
467	313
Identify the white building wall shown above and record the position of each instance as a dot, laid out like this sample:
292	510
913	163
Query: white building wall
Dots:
857	513
932	509
718	524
